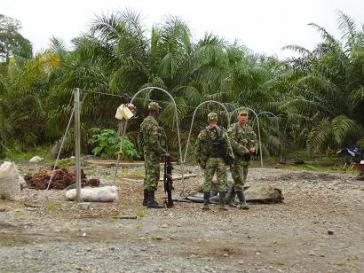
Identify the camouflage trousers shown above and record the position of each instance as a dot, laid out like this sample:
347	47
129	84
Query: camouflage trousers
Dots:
152	171
214	164
239	172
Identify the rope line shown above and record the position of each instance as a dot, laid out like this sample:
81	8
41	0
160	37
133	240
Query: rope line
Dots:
61	147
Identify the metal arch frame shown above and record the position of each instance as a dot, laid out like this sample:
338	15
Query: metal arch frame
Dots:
176	117
258	125
269	114
193	120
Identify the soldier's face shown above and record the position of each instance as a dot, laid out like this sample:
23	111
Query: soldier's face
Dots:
243	118
155	112
212	123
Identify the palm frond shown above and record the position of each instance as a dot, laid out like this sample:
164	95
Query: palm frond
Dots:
357	96
342	128
296	48
346	25
325	34
320	135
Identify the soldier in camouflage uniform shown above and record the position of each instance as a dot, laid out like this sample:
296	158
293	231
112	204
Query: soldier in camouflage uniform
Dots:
243	141
213	149
151	136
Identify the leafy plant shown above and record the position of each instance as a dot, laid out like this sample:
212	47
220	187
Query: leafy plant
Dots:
106	143
128	149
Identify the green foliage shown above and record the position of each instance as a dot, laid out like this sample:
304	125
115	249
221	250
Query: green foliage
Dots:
128	149
107	144
16	154
317	94
12	43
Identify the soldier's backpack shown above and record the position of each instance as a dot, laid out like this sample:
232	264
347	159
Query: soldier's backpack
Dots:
219	147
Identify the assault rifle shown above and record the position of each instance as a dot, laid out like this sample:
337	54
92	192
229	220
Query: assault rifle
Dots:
168	182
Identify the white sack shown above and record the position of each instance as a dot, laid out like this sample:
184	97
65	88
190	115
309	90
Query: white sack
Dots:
101	194
36	159
9	180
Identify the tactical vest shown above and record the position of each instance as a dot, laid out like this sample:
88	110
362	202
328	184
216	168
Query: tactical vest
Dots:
217	146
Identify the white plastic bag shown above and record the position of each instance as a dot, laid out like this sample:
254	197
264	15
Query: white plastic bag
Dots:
9	180
101	194
123	112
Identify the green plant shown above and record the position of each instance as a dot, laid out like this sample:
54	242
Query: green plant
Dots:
106	143
128	149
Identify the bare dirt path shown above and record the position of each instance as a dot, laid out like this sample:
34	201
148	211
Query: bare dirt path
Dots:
57	236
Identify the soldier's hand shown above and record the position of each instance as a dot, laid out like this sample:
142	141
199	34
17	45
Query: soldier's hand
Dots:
167	155
202	164
252	151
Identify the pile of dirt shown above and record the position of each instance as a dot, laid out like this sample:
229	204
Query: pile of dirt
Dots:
60	179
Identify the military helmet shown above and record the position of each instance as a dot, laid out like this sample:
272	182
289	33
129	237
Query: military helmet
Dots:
212	116
243	111
153	106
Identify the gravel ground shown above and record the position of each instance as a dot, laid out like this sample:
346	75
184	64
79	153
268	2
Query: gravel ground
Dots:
318	228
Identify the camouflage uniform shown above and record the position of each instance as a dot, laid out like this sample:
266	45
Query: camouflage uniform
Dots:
212	147
240	138
151	140
153	135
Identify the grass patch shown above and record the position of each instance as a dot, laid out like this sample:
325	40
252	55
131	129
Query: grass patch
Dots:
9	241
18	155
154	236
65	163
140	213
7	269
51	207
332	164
320	168
340	262
282	263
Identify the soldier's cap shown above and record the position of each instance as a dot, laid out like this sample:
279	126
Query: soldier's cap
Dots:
243	111
154	106
212	116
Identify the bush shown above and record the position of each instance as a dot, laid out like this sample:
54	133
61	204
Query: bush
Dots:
107	144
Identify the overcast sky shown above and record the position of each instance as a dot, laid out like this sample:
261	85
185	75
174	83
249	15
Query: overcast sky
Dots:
264	26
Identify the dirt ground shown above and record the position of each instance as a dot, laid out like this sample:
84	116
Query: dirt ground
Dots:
318	228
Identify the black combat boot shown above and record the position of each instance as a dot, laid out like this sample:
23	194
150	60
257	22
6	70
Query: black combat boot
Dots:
242	202
222	200
206	201
230	197
151	203
145	200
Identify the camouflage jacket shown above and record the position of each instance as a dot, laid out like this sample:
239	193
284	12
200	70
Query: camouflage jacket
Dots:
152	137
205	142
241	138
